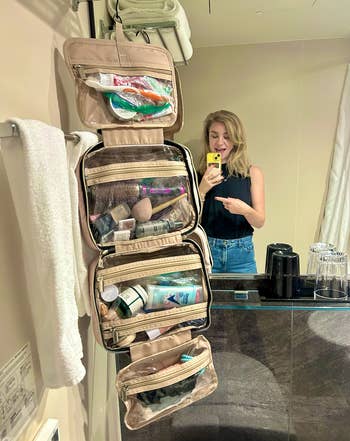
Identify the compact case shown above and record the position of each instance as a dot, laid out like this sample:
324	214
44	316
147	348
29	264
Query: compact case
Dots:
139	206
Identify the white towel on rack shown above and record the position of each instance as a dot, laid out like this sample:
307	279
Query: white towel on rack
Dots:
83	255
36	166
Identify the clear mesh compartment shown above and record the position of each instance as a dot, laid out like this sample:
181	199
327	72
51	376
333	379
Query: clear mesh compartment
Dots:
138	193
133	97
147	297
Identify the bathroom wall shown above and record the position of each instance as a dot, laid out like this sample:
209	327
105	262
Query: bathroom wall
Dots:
35	84
287	95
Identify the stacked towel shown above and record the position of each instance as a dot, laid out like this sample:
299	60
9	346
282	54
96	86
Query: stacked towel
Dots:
36	167
83	255
146	12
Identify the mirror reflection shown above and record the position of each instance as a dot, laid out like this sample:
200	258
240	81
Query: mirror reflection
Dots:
232	193
281	71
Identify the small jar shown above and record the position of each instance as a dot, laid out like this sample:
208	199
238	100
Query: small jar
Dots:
130	301
109	294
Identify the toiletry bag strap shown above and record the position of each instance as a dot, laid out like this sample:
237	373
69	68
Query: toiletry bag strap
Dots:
130	136
151	243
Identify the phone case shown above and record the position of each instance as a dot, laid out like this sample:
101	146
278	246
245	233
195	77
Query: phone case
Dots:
214	158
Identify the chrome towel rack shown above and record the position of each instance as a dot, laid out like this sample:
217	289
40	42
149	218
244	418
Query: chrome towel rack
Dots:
8	129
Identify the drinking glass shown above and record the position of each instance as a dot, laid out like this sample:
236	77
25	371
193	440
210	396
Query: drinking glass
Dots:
316	249
331	277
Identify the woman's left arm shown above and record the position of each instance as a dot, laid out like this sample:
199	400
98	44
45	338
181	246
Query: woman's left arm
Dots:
254	214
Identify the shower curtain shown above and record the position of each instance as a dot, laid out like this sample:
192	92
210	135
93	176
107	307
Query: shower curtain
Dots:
335	226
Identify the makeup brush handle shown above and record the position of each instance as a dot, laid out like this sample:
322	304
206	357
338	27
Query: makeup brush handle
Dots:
166	204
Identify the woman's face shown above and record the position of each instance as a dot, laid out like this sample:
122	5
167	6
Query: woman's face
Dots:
219	140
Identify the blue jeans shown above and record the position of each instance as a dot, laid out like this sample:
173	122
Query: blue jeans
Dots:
233	256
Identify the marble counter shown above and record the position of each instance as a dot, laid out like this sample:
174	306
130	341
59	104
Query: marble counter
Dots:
284	374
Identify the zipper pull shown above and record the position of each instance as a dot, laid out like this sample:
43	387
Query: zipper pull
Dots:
100	283
78	69
115	336
124	392
100	264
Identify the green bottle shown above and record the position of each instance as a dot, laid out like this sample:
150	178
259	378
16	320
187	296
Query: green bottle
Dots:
130	301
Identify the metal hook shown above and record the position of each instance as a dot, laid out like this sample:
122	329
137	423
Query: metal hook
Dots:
145	36
117	18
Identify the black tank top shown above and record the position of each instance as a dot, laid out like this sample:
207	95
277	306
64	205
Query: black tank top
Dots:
216	220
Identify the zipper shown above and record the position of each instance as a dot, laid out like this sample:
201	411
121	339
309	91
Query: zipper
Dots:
187	369
152	267
81	70
132	170
151	320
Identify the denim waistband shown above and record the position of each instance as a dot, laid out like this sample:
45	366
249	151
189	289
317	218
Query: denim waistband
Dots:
242	241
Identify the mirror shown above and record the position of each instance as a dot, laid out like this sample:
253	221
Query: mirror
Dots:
281	69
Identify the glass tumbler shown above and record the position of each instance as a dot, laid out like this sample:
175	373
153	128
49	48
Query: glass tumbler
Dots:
316	249
331	277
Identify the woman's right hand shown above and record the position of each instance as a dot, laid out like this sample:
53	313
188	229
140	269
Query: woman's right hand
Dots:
210	179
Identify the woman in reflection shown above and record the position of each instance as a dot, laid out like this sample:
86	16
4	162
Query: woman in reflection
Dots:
233	198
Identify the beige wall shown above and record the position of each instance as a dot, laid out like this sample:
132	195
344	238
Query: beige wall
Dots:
35	84
287	95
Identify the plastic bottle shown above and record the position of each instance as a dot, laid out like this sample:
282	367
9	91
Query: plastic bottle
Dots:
130	301
155	228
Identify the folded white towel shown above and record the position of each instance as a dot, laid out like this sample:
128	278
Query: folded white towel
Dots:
36	166
150	11
136	12
83	255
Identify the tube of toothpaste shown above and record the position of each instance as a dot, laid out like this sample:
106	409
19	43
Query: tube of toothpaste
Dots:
165	297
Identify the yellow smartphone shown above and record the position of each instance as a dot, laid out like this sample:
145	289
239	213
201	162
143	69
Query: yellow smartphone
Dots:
214	158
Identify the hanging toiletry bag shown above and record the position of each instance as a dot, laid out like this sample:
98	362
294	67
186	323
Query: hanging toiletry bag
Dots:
166	375
139	206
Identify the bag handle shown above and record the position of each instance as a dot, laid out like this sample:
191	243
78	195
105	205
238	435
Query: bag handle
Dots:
120	42
119	34
132	136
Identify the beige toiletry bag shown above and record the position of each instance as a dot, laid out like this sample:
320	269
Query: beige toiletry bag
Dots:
139	206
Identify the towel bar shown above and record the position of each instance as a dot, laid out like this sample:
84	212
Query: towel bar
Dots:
8	129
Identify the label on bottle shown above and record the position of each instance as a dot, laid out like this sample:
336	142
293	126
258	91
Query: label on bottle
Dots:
134	297
164	297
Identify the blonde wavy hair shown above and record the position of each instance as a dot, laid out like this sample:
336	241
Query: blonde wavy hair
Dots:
237	162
